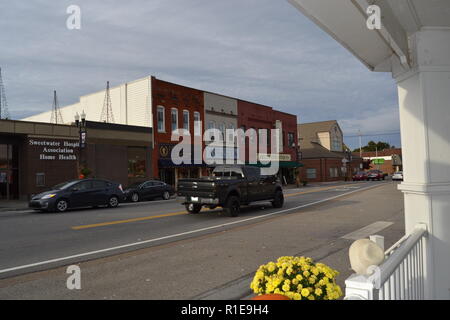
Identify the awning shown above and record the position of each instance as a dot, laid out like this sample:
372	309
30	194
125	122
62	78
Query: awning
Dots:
282	164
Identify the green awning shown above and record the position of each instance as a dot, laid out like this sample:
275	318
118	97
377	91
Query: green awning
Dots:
282	164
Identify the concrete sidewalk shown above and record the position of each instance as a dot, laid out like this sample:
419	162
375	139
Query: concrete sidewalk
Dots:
13	205
221	265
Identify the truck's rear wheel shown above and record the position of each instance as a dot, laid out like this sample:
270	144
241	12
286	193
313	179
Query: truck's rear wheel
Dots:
278	201
193	208
232	206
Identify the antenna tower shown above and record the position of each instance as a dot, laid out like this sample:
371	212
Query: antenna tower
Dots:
56	116
107	115
4	113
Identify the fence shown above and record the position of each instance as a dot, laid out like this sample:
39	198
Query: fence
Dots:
400	277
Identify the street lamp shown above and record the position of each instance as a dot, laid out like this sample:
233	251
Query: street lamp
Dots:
82	138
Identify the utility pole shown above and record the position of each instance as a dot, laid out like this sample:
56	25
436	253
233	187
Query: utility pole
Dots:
56	116
107	115
4	113
360	144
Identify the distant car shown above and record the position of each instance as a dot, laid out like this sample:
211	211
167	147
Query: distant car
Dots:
397	176
375	175
148	190
78	194
360	176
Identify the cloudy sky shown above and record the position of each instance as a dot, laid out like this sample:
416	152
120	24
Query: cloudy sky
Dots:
263	51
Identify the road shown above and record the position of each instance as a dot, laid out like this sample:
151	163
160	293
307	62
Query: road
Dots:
35	245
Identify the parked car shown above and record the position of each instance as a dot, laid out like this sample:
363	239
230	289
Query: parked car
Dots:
360	176
77	194
148	190
230	187
397	176
375	175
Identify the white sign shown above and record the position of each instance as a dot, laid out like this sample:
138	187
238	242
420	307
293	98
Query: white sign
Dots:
55	150
274	157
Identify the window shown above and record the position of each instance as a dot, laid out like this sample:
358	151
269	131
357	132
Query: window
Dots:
98	184
222	129
334	173
40	179
197	124
160	118
174	119
85	185
291	140
137	162
311	173
186	120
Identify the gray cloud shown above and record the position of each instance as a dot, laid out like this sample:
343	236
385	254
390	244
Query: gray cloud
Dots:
259	50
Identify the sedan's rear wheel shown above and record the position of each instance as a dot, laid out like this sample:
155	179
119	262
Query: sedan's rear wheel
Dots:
61	206
166	195
135	197
113	202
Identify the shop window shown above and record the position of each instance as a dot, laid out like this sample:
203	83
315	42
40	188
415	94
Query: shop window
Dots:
137	164
40	179
311	173
334	173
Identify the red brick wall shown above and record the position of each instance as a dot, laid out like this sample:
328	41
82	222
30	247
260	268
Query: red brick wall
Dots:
323	166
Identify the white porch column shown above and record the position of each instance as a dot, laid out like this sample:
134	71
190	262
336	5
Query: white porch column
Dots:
424	96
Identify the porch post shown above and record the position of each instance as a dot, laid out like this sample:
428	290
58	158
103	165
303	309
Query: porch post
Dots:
424	98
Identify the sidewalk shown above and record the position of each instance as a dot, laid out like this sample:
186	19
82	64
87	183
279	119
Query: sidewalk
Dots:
13	205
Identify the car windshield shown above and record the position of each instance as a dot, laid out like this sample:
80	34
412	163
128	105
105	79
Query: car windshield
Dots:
64	185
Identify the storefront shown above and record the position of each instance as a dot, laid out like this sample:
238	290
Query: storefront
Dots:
36	156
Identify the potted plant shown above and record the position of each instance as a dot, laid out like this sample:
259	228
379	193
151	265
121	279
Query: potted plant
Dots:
85	172
297	278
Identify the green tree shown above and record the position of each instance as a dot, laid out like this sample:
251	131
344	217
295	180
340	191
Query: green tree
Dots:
373	146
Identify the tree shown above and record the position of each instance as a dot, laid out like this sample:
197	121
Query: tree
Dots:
373	146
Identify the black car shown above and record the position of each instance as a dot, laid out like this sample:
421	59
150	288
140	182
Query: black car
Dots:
148	190
77	194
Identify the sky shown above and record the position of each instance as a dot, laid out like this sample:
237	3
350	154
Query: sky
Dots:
263	51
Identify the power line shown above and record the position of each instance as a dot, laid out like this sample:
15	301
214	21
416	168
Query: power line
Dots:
374	134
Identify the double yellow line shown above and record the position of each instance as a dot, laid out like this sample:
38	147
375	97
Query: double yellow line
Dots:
179	213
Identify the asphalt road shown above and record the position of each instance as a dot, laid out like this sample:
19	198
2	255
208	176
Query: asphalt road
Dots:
31	242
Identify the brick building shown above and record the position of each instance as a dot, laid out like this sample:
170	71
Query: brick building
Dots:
260	117
323	153
175	106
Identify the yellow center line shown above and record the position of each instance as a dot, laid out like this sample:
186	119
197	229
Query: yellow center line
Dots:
89	226
179	213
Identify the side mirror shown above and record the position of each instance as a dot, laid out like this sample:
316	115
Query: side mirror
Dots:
75	189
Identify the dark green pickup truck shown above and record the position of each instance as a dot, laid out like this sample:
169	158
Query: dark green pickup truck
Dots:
230	187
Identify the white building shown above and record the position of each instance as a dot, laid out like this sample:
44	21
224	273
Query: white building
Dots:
131	105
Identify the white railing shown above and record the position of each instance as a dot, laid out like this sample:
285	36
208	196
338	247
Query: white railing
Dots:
400	277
